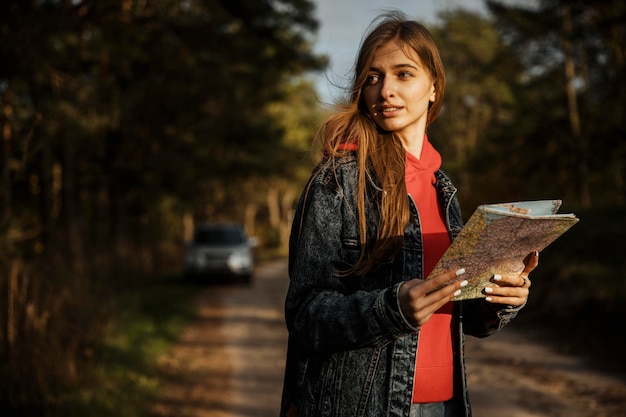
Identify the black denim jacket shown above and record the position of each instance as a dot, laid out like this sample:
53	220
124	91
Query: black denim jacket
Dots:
351	352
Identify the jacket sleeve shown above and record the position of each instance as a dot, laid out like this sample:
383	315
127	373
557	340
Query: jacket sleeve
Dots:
482	319
323	312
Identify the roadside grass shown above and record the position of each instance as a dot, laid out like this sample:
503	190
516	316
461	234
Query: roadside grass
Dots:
579	289
122	376
145	323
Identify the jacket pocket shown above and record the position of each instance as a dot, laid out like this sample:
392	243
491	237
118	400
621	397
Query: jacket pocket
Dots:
350	252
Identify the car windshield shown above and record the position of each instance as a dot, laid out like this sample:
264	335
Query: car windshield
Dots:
219	237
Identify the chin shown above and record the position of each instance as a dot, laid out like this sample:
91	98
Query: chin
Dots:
389	127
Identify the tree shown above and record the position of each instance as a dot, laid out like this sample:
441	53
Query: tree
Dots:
479	96
573	52
118	118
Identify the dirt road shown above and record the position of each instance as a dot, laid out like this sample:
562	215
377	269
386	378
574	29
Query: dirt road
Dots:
230	361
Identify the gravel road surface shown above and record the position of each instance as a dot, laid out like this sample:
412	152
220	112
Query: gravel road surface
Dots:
230	361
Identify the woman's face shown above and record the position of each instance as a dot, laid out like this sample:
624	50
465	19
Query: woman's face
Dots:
398	92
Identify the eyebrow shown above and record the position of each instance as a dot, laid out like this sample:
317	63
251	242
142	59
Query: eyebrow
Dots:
395	67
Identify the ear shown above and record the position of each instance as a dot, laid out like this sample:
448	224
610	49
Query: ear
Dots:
433	93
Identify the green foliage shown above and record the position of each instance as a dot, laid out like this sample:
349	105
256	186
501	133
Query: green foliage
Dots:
123	374
507	112
480	76
118	118
567	128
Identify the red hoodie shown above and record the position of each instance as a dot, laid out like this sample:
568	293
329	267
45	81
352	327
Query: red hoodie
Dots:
434	364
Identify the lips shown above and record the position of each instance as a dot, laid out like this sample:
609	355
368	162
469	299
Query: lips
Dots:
388	110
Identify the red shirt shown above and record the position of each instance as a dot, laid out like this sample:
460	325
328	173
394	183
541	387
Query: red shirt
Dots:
434	363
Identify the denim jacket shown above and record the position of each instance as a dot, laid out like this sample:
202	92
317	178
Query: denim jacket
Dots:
351	353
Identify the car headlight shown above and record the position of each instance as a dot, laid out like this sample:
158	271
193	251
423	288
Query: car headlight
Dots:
240	261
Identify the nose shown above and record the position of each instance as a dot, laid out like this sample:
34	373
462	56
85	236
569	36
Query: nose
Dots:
388	88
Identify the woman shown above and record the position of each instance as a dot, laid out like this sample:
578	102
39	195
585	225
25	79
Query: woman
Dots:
368	335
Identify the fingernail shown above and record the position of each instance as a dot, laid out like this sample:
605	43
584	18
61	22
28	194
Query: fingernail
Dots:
497	277
464	283
488	298
460	271
457	293
537	254
488	290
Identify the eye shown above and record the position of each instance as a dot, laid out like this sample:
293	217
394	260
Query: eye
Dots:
404	74
372	79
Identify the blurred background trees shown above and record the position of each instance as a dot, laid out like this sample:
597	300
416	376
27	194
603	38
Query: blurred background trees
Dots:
123	123
535	98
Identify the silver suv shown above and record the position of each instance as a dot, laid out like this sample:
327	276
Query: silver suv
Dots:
220	250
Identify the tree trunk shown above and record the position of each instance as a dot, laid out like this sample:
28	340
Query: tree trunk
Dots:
574	115
273	206
70	208
285	219
250	218
7	196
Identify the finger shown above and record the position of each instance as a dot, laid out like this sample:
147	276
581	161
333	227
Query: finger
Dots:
509	280
420	299
425	307
518	292
431	291
446	293
530	262
513	296
444	280
509	301
513	281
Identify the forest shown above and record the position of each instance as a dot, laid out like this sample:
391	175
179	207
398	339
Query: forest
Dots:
123	123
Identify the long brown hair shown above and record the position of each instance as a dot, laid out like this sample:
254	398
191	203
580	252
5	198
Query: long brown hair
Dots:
380	151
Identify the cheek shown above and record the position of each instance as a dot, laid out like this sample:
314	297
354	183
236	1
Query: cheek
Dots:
423	95
369	99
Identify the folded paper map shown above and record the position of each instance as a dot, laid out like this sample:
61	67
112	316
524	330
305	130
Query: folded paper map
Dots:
498	237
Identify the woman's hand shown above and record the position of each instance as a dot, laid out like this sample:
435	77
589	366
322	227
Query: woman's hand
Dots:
512	289
419	299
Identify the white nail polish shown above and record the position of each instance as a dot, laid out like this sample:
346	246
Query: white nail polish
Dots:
497	277
488	298
464	283
460	271
457	293
488	290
